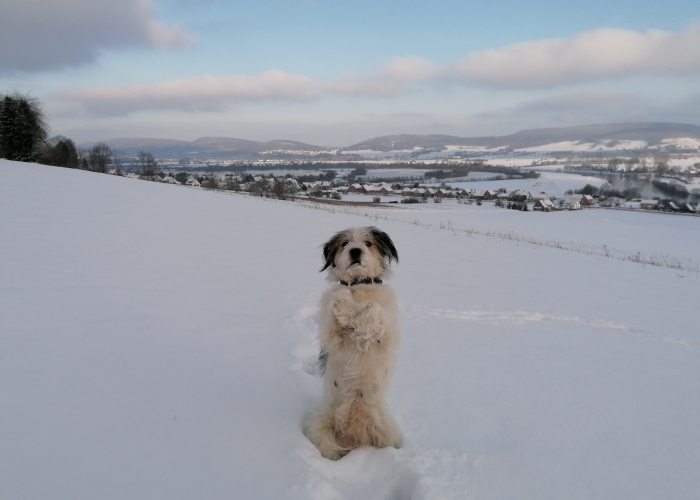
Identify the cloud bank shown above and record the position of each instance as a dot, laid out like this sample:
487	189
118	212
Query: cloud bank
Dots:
210	93
589	56
42	35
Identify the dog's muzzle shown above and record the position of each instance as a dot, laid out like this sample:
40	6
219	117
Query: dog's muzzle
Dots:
355	255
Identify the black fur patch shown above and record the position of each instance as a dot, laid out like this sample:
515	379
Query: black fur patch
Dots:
384	244
322	361
331	248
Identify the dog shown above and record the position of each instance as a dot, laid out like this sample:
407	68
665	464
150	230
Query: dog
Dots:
359	336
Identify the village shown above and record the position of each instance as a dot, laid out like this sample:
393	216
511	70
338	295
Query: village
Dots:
339	189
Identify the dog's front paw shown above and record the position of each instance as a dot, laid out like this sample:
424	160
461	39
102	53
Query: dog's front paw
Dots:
370	325
341	304
370	317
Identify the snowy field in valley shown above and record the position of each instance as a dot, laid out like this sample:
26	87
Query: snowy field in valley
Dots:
157	341
552	183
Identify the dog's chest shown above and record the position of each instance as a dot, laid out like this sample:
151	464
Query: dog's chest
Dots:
364	293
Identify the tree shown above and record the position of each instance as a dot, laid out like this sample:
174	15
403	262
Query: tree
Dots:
100	157
232	183
147	164
212	182
278	189
182	177
23	127
588	189
60	152
118	157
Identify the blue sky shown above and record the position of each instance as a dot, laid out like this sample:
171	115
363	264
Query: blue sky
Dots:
337	72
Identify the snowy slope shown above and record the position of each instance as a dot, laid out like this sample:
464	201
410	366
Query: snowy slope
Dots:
157	342
552	183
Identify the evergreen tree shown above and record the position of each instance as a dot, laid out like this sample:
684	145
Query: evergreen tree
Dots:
60	152
23	128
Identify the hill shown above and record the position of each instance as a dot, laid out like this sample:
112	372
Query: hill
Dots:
215	147
640	135
651	133
158	342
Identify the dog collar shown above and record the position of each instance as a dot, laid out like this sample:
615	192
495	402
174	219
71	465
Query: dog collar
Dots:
363	281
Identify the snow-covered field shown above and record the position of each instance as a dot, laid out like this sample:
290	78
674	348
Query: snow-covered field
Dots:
586	146
552	183
157	341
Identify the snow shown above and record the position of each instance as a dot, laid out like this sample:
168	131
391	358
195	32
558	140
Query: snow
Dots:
158	342
587	146
682	143
553	183
394	173
475	149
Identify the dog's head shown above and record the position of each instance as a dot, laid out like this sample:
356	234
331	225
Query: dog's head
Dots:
363	252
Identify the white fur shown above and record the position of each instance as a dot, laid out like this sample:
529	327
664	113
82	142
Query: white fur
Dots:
359	331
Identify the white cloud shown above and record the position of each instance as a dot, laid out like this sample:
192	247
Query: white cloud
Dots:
597	54
211	93
199	93
37	35
591	55
601	53
412	69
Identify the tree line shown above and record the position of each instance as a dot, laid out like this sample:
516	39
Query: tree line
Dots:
24	137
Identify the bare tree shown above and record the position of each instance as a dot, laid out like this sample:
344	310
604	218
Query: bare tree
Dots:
212	182
147	164
232	183
100	157
118	157
278	189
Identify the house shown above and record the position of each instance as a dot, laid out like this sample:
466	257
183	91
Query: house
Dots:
192	182
649	204
355	188
327	185
519	195
572	204
587	200
544	205
464	192
489	194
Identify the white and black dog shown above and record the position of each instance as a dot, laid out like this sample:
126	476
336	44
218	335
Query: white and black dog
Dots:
359	335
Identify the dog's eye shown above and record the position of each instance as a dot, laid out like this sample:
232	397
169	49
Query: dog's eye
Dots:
344	244
369	244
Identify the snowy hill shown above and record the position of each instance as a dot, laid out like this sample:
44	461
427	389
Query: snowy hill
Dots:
209	147
157	341
613	136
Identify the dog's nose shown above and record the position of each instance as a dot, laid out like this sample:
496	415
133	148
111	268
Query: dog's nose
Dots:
355	253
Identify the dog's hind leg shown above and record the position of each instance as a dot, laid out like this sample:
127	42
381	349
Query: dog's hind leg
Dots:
323	435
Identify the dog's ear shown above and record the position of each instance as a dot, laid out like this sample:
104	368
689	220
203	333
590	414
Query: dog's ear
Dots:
384	244
330	249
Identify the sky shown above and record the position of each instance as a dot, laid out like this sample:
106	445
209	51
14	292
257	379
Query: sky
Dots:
338	72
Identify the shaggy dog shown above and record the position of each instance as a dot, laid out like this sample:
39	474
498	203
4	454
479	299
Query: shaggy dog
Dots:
359	335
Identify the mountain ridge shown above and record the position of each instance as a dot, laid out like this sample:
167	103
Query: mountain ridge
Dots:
652	133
